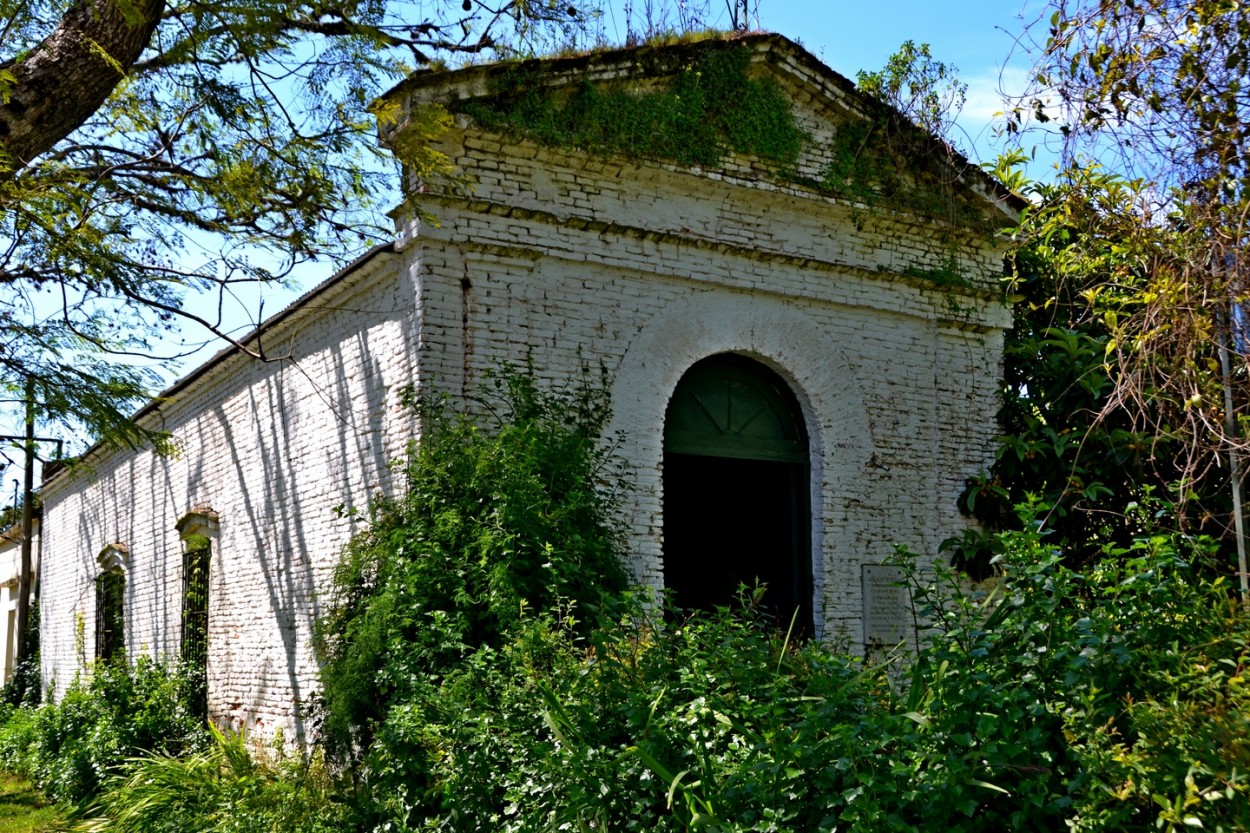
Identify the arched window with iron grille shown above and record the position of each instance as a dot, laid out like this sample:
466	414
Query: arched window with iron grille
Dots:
110	603
197	531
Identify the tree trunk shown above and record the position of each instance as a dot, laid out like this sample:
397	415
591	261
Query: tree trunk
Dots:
60	83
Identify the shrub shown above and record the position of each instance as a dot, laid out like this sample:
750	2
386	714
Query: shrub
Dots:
223	788
17	738
23	687
1108	700
637	726
69	747
482	673
495	525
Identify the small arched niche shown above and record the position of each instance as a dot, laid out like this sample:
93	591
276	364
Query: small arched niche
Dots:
736	490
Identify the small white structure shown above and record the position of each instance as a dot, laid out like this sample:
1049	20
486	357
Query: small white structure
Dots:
10	580
798	382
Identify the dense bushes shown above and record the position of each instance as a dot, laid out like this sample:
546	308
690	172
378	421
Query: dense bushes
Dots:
495	526
69	747
224	788
553	732
1110	700
1114	700
485	672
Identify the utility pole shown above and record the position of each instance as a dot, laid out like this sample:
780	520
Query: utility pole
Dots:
28	522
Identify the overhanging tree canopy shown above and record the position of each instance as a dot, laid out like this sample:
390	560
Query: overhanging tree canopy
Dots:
151	150
1153	101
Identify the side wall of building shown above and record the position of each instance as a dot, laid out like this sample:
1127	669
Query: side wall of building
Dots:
271	448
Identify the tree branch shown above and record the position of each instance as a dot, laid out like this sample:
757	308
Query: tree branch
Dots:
89	52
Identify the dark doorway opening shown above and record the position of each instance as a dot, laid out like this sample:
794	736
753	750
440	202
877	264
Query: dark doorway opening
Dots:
736	482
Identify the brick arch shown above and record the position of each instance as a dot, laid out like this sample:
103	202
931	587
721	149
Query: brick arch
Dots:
114	557
766	328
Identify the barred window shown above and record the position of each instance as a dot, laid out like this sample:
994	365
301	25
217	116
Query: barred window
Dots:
110	602
195	563
197	530
110	615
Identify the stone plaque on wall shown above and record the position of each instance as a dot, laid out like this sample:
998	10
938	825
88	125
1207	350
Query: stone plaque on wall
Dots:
887	611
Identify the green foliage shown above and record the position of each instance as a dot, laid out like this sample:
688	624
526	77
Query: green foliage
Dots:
224	788
69	747
497	524
946	276
25	688
226	143
17	738
925	90
1112	700
1153	92
550	731
710	108
196	557
1086	427
898	154
1094	698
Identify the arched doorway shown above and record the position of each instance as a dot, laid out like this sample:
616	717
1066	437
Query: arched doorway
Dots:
736	480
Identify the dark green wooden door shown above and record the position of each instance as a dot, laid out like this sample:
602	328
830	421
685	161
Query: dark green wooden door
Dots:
736	483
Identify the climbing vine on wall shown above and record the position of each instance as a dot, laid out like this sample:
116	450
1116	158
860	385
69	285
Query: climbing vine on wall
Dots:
710	108
887	161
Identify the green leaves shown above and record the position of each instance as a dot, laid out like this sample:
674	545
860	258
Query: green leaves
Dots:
236	144
498	526
1148	221
70	747
923	89
712	107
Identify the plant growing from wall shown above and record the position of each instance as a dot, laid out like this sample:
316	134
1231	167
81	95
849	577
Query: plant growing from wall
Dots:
901	154
710	105
710	108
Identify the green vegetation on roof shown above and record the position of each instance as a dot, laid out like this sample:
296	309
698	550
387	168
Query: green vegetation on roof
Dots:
710	108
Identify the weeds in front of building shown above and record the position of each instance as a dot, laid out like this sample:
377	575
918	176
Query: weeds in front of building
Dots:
486	669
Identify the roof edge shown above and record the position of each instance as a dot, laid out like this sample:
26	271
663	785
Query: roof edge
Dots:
472	82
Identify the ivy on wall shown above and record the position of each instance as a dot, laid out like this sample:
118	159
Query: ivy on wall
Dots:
885	160
710	108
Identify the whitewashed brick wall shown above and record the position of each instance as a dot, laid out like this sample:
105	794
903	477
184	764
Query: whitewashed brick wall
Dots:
564	259
272	448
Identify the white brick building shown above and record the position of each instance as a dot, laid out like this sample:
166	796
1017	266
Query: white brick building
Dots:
875	371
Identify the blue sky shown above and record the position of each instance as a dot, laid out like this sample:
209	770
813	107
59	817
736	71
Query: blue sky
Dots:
980	37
